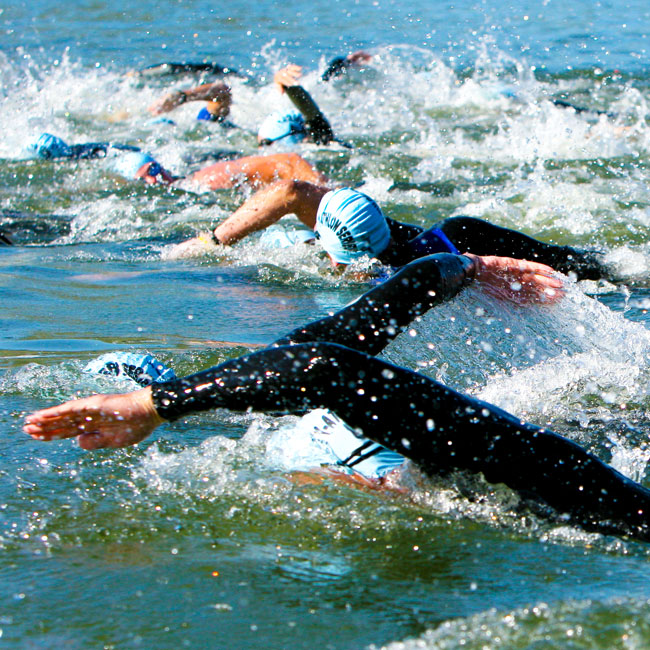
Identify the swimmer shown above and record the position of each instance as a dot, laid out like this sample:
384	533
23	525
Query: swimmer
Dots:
133	164
217	96
50	147
171	68
330	364
350	225
307	122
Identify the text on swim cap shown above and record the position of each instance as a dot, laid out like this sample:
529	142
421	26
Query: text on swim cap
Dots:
346	238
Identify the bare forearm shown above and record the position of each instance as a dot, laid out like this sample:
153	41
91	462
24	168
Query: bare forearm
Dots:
268	206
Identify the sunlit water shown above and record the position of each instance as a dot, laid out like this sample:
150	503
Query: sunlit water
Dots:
208	536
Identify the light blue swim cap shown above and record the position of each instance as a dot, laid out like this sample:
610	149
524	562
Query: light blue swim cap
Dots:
143	369
288	126
48	146
351	451
350	224
128	163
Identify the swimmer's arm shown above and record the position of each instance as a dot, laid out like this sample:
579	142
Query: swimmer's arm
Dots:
287	81
263	209
338	65
217	94
377	317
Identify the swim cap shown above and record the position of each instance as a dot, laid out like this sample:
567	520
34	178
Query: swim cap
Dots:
350	450
350	224
127	164
143	369
49	146
282	125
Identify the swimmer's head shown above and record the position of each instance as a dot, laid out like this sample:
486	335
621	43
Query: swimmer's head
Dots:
137	164
48	146
350	224
143	369
282	126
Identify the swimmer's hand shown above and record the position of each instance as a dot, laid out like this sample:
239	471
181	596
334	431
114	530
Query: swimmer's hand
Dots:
358	58
520	281
289	76
100	421
195	247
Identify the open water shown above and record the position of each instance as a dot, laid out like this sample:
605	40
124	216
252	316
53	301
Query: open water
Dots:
200	538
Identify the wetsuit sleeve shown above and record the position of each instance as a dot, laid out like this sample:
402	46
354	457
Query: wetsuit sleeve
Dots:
171	68
401	233
439	429
472	235
89	150
377	317
317	125
337	66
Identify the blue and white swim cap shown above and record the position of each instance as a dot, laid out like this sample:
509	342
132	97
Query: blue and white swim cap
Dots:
288	126
127	164
350	224
350	450
143	369
48	146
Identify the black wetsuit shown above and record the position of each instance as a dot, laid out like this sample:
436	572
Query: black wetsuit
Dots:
170	68
327	364
472	235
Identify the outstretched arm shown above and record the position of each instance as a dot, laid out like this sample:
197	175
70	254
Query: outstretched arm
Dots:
216	94
287	79
376	318
263	209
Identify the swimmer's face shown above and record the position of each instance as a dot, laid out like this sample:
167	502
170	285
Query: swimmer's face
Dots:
153	173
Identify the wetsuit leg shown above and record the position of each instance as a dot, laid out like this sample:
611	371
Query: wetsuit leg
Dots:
377	317
471	235
439	429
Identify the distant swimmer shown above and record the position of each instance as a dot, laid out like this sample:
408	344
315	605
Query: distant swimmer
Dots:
50	147
331	364
132	164
351	225
217	96
304	122
172	68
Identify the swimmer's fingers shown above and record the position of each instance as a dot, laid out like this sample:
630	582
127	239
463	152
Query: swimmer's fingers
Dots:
288	76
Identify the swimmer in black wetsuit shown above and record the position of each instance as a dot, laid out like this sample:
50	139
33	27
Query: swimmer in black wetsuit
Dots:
350	224
439	429
133	164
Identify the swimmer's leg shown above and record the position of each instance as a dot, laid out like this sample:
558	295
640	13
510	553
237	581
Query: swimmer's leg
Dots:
471	235
436	427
